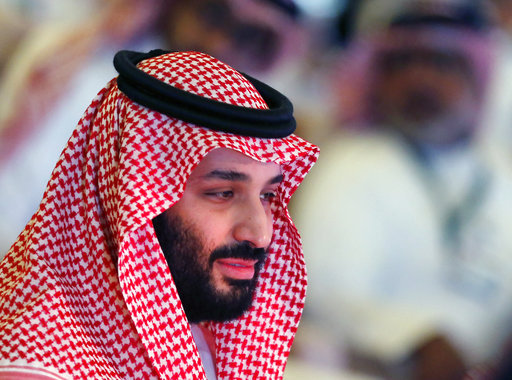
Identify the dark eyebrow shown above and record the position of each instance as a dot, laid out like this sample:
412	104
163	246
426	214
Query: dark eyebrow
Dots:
277	179
231	175
228	175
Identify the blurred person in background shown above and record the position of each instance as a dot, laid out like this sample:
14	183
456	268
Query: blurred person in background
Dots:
411	269
63	60
255	35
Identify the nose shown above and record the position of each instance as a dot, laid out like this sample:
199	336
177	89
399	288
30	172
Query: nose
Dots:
253	224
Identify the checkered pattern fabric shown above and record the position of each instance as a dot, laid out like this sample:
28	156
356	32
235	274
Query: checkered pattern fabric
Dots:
86	290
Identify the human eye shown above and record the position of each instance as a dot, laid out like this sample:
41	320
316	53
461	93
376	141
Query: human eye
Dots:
268	196
222	195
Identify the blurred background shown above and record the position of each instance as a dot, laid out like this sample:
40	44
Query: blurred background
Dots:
404	219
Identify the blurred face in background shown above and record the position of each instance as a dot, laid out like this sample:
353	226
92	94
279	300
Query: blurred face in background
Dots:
241	35
426	91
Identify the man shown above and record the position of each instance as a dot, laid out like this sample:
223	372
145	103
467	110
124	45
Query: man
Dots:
411	269
184	143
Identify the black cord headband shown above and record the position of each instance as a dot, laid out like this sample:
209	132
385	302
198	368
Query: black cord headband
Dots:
275	122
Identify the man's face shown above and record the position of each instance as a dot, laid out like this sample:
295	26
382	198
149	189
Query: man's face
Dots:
216	236
427	93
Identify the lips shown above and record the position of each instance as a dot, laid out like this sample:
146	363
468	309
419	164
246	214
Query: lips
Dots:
235	268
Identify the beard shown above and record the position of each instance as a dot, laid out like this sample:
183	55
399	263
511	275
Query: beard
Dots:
191	268
425	118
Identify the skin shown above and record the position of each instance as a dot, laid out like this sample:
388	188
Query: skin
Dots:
438	359
227	201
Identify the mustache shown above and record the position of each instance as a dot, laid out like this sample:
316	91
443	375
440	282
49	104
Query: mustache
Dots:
240	251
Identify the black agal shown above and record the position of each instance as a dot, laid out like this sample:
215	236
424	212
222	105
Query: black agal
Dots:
275	122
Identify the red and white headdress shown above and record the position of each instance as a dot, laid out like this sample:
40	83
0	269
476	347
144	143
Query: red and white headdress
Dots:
86	292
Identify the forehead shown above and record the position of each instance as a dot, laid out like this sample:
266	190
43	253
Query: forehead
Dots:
231	160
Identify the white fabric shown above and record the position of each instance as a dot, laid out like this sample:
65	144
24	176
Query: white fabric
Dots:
380	278
204	352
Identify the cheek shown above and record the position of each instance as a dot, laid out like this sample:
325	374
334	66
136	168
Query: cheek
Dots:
456	90
390	91
214	230
270	223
